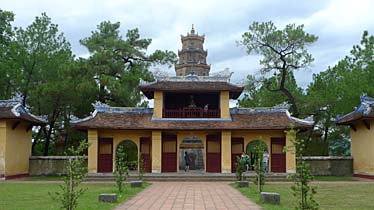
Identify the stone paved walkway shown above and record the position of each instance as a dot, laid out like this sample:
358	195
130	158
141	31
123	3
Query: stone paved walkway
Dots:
189	195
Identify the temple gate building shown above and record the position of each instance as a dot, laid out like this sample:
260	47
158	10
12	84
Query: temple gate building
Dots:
361	123
191	114
16	125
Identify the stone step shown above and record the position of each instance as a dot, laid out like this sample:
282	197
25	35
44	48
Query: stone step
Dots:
186	177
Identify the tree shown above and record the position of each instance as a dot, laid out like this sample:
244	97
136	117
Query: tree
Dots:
240	168
259	166
302	191
141	168
256	94
283	51
119	64
75	173
7	75
43	60
121	170
331	93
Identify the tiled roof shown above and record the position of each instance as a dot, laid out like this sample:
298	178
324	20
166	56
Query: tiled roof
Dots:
241	119
11	109
191	83
363	111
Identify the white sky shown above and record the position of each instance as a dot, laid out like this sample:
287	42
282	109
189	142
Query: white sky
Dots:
338	24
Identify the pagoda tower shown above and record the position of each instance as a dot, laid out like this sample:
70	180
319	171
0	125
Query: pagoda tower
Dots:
192	57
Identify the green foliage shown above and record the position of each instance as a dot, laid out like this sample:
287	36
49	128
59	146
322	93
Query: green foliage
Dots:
283	51
37	64
7	82
118	63
141	169
316	147
121	170
240	168
259	149
258	94
331	92
252	150
302	191
75	173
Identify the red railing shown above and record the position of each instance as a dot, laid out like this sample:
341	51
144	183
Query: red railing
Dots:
187	112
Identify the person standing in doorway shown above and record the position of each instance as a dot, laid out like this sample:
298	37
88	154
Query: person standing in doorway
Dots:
187	161
265	161
244	159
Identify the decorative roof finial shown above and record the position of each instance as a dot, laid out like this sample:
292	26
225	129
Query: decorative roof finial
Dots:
192	30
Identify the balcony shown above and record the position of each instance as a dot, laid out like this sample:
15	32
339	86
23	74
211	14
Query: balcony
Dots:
188	112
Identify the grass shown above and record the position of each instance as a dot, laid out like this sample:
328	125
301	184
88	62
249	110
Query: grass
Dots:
43	178
32	196
337	196
334	178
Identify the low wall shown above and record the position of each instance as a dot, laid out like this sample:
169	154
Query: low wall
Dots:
49	165
330	165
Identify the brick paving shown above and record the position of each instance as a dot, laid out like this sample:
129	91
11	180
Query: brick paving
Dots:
189	195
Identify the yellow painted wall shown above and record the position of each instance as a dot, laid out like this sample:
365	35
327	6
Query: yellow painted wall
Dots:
264	135
184	134
226	152
290	154
92	136
156	151
17	149
2	147
158	104
225	104
362	149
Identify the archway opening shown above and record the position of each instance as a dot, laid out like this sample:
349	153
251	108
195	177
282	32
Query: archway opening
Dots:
195	150
253	155
131	151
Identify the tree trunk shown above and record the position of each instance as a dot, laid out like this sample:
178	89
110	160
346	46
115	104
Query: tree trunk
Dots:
48	138
35	141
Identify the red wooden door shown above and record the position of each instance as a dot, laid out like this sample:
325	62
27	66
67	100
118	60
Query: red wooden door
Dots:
213	153
145	152
278	156
105	155
237	148
169	153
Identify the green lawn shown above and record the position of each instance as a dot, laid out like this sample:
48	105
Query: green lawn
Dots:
35	196
337	196
334	178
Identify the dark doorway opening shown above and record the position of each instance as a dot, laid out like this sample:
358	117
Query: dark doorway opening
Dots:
253	155
195	150
131	151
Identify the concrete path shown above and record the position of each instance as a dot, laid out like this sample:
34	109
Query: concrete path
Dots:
189	195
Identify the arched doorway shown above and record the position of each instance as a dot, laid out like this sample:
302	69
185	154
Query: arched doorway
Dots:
131	151
251	151
195	149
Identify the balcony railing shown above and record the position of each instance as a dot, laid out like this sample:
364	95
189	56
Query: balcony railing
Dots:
188	112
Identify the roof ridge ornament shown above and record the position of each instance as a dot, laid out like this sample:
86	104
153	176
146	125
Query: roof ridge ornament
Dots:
192	30
100	106
365	98
226	73
283	105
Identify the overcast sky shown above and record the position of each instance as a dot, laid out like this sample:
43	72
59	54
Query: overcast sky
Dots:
338	24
